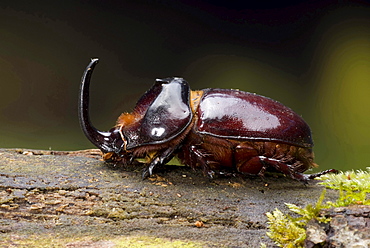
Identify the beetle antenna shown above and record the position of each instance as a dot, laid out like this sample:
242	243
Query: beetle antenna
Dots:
100	139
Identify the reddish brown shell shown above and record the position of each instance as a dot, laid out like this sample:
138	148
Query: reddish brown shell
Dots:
167	113
241	115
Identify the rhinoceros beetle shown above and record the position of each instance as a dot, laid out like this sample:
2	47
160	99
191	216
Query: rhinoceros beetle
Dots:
216	130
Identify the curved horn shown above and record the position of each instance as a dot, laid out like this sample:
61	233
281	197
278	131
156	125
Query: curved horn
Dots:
100	139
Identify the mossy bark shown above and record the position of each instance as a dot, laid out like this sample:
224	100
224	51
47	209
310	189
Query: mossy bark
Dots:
69	197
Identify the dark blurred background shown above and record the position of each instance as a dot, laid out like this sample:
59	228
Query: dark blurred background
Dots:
313	56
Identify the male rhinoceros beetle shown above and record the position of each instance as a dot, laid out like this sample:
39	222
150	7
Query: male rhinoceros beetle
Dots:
217	130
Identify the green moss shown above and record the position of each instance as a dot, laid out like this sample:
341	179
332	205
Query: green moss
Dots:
353	186
120	242
35	241
151	242
289	231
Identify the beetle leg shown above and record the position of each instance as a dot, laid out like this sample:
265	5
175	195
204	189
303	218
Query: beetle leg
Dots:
261	173
254	166
287	170
160	159
313	176
259	164
200	156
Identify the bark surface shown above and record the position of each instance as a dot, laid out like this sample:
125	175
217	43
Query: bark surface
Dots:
73	197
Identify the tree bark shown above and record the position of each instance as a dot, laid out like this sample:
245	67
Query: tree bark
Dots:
71	197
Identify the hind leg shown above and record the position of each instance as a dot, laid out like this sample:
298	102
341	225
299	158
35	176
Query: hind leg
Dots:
259	164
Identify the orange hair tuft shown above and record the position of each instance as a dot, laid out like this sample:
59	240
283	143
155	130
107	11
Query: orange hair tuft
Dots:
127	119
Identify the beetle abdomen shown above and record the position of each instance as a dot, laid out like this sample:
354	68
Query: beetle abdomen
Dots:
242	115
213	154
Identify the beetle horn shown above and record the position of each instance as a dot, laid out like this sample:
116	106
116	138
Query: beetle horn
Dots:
100	139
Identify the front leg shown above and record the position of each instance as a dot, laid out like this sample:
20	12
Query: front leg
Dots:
160	158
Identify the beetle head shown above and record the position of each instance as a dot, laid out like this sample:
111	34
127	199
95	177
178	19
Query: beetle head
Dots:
162	114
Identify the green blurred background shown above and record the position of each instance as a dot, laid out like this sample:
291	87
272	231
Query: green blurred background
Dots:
313	56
